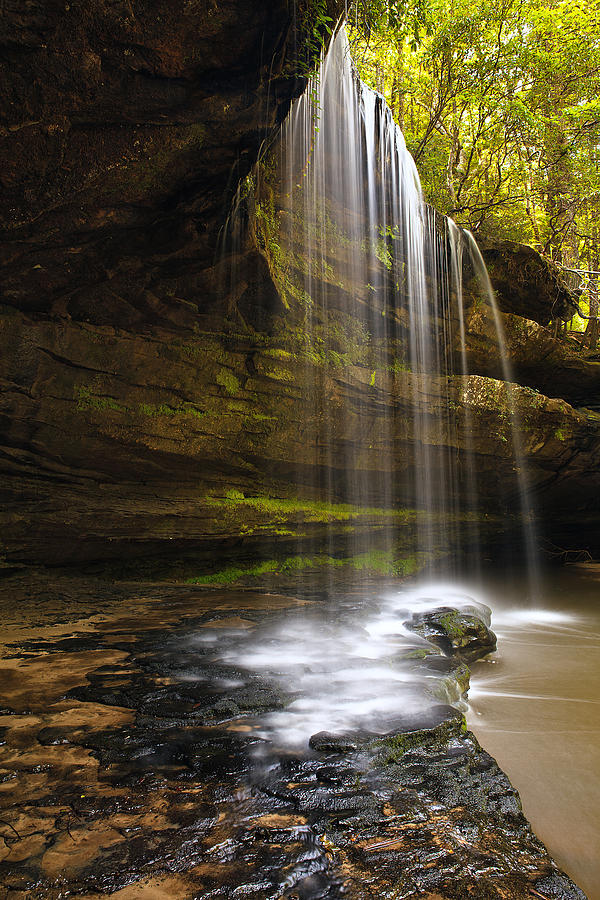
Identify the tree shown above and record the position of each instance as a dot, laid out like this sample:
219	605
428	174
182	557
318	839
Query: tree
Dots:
499	105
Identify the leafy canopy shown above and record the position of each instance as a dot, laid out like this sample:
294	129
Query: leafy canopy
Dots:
499	103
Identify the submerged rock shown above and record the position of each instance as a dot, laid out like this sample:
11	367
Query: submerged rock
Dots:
334	743
429	732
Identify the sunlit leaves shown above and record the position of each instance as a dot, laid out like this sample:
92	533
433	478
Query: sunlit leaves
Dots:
499	103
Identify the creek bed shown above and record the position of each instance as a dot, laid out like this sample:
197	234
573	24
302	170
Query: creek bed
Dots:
155	743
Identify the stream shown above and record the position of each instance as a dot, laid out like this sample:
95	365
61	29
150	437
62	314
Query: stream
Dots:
535	706
160	740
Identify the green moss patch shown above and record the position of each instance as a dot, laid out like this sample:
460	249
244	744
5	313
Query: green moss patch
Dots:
384	562
163	409
287	566
373	563
311	510
87	400
227	380
392	748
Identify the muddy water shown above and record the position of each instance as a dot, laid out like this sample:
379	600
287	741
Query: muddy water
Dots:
536	708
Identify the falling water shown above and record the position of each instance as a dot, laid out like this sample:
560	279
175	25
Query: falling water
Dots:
372	279
356	236
456	244
527	515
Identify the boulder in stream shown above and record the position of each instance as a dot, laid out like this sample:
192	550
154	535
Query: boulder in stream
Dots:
457	633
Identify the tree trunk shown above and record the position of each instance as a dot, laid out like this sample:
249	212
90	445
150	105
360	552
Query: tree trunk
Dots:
591	331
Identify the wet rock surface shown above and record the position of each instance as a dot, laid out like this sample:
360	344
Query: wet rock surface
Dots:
125	130
132	761
552	366
457	633
129	446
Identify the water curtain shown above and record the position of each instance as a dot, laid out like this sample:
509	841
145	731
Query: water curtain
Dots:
374	280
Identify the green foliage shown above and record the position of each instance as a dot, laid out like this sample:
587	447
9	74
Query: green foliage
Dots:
266	231
399	366
409	19
315	26
499	103
380	250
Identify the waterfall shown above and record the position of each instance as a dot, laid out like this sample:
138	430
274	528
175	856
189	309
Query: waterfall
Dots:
373	283
527	513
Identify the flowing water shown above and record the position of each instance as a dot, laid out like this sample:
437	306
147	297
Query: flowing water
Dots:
133	759
352	663
535	707
349	238
353	666
527	514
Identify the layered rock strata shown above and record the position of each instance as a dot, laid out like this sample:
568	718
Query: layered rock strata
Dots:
142	383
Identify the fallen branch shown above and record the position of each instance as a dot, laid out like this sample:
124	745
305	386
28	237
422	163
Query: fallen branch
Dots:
567	555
